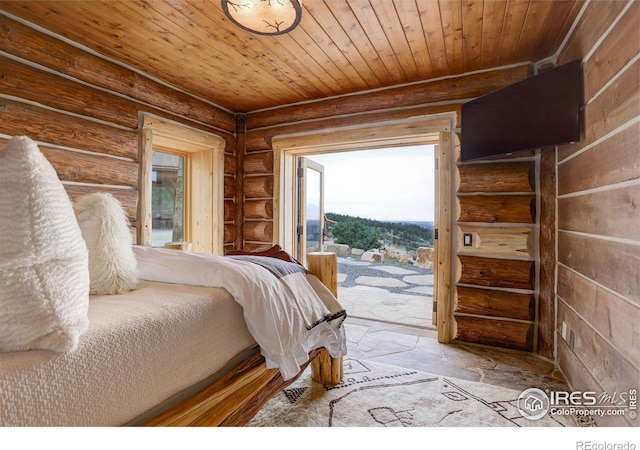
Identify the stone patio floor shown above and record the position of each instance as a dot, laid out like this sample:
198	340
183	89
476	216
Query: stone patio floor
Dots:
389	321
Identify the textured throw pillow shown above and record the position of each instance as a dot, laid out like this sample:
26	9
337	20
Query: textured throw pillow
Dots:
105	229
44	270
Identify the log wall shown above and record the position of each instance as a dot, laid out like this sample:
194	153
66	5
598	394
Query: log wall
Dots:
496	290
367	108
84	112
598	231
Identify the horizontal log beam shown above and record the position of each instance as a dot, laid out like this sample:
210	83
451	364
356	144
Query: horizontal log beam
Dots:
84	168
258	209
448	90
614	265
496	272
497	208
53	127
258	231
498	177
258	163
258	187
498	333
488	302
260	139
127	197
20	80
33	45
612	212
614	160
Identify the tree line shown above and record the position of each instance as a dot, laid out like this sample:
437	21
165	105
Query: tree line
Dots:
358	232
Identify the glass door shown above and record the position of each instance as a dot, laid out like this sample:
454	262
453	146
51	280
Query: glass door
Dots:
310	217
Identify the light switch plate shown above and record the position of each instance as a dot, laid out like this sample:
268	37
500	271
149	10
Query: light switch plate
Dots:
467	239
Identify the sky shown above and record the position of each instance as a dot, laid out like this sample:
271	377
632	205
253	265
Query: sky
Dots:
392	184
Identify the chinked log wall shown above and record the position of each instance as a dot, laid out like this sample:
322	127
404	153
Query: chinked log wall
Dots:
598	215
84	112
495	287
496	294
367	108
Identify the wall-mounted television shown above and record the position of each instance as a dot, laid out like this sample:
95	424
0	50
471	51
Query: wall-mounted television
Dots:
541	111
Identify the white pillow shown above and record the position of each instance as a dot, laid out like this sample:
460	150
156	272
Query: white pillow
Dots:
105	228
44	270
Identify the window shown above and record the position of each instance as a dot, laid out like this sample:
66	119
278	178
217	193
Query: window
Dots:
181	186
167	198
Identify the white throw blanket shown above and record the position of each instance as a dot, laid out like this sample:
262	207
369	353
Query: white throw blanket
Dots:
288	311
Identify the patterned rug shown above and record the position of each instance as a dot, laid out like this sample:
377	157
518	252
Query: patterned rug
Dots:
378	395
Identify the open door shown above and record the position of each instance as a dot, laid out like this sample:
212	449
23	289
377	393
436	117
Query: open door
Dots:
436	231
310	217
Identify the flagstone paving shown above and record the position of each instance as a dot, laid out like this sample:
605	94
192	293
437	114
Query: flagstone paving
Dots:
385	292
389	312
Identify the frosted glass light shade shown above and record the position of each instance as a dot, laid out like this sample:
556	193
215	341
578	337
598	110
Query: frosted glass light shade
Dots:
266	17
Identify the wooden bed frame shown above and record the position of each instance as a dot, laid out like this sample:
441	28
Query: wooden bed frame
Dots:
236	398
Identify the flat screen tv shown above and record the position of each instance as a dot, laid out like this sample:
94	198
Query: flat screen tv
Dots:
541	111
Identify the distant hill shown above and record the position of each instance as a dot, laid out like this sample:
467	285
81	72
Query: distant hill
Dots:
423	224
410	235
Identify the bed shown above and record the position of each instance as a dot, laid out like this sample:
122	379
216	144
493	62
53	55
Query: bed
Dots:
162	354
96	331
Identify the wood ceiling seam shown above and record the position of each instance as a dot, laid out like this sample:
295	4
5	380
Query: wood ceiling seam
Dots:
493	14
378	38
412	24
429	13
343	13
338	38
472	22
389	20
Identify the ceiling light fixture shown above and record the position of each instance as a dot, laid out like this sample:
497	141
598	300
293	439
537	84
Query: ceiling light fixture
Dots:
266	17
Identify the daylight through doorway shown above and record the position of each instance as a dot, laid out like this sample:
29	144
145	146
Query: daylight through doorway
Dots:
379	208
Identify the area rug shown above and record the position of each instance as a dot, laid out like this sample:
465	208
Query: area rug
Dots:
379	395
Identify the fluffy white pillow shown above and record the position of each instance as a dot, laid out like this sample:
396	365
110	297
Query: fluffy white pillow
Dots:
105	229
44	272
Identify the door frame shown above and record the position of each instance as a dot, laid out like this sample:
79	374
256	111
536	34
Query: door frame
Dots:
421	130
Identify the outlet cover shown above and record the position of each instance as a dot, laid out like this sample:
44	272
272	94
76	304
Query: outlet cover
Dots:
467	239
564	331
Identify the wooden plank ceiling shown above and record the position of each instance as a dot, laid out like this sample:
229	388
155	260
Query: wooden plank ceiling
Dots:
339	48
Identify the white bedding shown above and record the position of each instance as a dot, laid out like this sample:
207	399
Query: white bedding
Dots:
141	348
288	315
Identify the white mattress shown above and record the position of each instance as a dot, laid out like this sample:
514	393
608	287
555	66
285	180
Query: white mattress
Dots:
141	348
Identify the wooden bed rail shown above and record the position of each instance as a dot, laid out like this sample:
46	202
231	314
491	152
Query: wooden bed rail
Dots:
232	400
235	398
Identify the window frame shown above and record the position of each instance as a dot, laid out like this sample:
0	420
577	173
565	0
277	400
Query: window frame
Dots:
204	181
